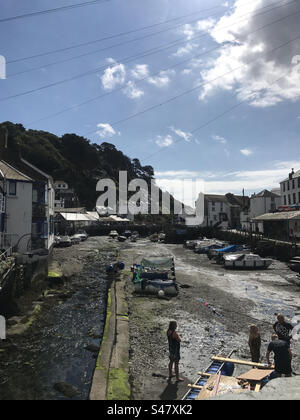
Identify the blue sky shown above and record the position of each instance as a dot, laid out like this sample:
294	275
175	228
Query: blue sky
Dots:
230	68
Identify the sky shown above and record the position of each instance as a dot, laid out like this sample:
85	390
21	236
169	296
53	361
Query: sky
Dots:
201	89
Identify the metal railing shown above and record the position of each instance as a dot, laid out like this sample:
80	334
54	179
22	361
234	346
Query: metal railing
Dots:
7	241
4	255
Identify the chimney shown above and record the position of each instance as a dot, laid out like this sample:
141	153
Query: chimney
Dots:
291	174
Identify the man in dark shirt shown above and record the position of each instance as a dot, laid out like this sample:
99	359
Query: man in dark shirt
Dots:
282	329
282	356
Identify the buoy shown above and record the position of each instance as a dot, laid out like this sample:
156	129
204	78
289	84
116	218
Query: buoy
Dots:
110	267
121	265
161	293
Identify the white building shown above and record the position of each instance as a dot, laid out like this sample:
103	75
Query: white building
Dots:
65	197
17	207
290	189
49	204
217	210
27	220
262	203
225	211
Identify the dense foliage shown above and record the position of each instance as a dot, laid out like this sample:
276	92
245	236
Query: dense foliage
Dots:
73	159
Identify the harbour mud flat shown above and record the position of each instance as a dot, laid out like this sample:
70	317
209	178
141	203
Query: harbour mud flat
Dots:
51	348
213	310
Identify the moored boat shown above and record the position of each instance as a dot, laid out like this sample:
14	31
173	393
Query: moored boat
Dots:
207	248
155	276
113	234
246	261
294	264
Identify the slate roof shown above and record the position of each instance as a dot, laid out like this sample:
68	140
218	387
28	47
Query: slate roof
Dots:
288	215
12	173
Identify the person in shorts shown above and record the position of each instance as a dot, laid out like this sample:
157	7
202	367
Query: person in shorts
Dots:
174	350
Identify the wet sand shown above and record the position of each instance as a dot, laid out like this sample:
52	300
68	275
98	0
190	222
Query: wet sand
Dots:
55	357
213	310
54	349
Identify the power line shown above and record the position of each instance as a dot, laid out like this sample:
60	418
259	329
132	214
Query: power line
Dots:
227	111
127	60
203	84
111	36
48	11
179	41
197	86
169	45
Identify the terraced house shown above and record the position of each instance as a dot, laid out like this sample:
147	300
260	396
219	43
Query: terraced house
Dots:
26	206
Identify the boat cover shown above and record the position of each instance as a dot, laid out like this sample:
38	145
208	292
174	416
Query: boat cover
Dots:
231	248
157	262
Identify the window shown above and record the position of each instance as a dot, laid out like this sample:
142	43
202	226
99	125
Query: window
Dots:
283	186
299	182
288	185
2	203
40	229
39	193
289	197
12	188
285	200
294	199
293	184
51	225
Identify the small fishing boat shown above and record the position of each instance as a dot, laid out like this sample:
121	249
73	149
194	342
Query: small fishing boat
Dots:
202	245
229	249
153	287
161	236
218	378
155	276
113	234
190	244
154	237
214	368
294	264
122	238
246	261
207	248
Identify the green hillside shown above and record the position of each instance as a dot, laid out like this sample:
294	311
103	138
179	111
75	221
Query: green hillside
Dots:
72	158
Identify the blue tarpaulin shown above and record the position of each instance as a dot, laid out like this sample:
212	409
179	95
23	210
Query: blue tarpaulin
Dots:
231	248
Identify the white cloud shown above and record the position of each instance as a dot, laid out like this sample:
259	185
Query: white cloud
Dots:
205	24
183	134
132	92
234	182
163	79
140	71
188	48
114	75
246	152
164	141
106	130
274	76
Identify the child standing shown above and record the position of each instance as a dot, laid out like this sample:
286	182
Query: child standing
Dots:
174	350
